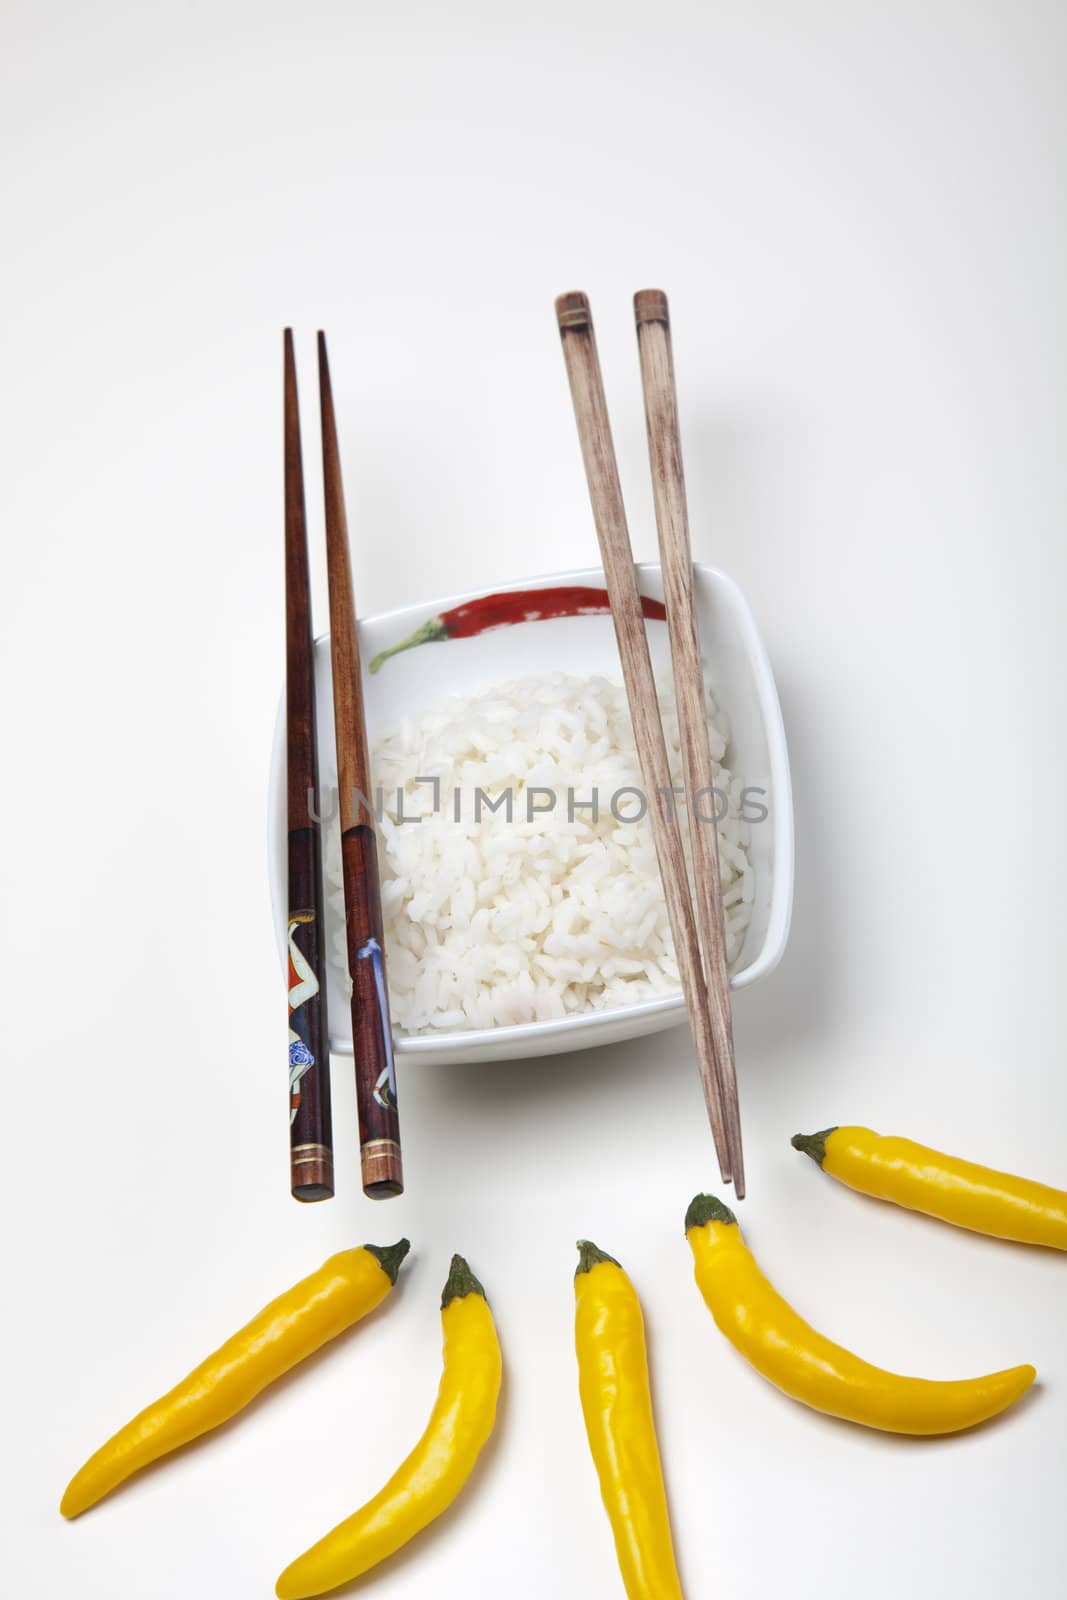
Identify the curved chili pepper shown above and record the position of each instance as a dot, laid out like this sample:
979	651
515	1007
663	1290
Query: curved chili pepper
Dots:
519	605
942	1186
314	1310
781	1345
440	1464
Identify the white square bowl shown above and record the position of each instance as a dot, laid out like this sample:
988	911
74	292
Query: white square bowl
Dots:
741	679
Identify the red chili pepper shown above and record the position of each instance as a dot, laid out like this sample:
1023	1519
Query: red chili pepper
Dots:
522	605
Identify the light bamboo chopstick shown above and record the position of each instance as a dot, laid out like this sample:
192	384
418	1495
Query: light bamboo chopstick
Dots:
672	520
609	514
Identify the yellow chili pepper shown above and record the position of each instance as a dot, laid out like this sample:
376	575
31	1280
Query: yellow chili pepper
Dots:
306	1316
925	1180
430	1479
782	1346
609	1334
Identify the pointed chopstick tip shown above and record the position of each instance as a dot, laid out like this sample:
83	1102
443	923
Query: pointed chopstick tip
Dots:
325	386
572	310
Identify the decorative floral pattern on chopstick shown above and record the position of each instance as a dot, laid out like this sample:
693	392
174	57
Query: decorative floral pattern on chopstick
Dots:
303	988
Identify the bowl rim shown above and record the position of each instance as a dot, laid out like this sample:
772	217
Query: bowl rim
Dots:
465	1041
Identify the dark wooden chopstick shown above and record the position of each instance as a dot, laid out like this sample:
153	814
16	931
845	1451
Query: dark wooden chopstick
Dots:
310	1133
609	514
372	1039
652	316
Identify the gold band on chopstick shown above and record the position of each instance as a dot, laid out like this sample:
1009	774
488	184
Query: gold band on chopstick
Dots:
381	1163
303	1155
379	1147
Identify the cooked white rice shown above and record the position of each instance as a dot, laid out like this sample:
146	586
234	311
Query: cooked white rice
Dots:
490	921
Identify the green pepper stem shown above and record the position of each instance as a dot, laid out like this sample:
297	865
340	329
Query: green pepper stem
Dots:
461	1281
389	1256
429	633
705	1208
589	1256
813	1144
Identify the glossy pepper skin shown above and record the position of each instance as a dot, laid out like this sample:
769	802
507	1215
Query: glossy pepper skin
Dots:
609	1336
514	605
434	1473
781	1345
306	1316
942	1186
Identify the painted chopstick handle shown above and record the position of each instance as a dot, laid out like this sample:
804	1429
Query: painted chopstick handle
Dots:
372	1037
310	1138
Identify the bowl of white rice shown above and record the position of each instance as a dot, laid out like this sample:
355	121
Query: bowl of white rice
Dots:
522	904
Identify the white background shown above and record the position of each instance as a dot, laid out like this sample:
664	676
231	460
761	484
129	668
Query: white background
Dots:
858	211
